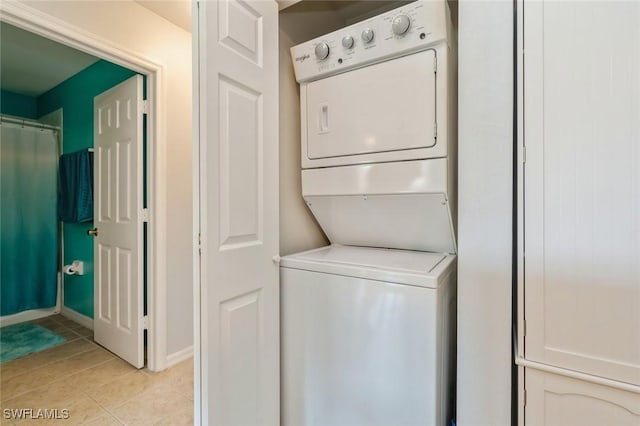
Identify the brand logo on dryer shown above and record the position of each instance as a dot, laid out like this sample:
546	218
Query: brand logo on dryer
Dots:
302	58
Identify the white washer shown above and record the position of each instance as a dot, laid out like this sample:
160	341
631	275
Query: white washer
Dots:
368	337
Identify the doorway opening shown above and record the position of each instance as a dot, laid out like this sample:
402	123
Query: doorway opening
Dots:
82	75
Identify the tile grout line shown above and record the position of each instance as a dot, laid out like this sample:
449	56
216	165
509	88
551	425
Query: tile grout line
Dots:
86	368
52	348
152	388
61	329
48	365
156	383
109	412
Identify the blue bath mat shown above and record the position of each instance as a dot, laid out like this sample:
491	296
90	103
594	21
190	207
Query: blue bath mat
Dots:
25	338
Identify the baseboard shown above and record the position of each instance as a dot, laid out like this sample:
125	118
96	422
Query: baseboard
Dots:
77	317
31	315
179	356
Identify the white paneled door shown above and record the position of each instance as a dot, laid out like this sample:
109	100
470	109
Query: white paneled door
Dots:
237	95
582	187
118	282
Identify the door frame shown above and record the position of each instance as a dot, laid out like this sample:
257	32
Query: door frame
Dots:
22	16
199	369
520	398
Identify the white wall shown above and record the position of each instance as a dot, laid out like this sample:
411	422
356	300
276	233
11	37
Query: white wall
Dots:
127	24
485	99
299	230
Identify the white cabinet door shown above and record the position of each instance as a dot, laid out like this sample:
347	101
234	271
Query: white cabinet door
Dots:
118	280
554	400
237	88
582	186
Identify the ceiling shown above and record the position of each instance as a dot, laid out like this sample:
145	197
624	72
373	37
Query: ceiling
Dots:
32	65
352	11
177	12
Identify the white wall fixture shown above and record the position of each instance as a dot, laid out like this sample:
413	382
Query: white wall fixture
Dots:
75	268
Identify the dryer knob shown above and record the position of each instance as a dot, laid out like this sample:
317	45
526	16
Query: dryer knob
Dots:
367	35
400	24
347	42
322	50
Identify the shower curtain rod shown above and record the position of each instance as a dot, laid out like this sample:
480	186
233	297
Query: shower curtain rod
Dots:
29	123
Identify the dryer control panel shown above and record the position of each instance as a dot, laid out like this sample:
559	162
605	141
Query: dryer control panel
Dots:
407	29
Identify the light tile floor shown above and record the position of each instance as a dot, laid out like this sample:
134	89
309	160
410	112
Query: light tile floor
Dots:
95	386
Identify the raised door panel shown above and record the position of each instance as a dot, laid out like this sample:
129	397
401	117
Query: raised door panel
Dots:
241	339
241	29
103	296
241	193
554	400
582	187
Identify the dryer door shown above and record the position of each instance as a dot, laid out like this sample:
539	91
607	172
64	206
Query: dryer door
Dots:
390	106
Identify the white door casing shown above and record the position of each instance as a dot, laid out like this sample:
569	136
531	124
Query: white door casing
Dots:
118	279
237	88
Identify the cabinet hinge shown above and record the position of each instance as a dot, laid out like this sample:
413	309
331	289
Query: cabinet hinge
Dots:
435	131
524	396
199	244
144	215
524	328
435	65
145	322
145	106
524	154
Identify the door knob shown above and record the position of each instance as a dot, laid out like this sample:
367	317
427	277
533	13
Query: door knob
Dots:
93	232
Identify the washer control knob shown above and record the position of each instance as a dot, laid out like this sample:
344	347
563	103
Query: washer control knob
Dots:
367	35
400	24
347	42
322	50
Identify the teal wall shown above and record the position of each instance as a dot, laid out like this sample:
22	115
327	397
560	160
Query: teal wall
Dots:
75	97
19	105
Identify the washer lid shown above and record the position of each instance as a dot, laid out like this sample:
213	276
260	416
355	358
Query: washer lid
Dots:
422	269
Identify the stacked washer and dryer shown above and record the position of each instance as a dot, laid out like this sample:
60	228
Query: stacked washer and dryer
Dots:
368	323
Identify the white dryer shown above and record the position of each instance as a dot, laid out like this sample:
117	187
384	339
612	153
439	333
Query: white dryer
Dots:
368	323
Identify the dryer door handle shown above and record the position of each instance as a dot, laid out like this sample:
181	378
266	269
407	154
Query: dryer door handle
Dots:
323	118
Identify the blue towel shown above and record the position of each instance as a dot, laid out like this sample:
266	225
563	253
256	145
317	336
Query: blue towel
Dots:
75	192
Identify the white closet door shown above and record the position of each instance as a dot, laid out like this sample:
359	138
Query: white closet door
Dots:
582	186
237	88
